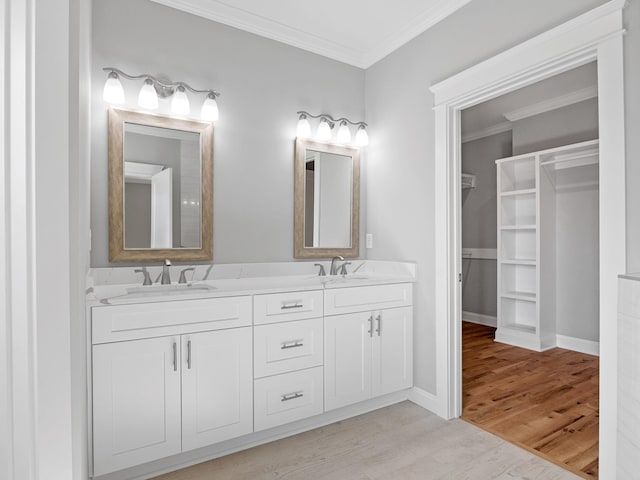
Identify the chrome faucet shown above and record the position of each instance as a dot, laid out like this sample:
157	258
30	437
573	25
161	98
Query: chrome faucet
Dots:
147	278
334	266
166	274
321	271
183	278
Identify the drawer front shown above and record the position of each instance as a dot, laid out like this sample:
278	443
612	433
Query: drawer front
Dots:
288	397
361	299
283	307
127	322
284	347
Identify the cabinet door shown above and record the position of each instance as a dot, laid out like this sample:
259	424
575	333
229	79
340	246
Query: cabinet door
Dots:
136	402
217	386
347	359
392	350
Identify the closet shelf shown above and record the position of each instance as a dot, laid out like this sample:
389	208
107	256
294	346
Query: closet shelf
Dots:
518	227
519	261
520	328
525	191
526	296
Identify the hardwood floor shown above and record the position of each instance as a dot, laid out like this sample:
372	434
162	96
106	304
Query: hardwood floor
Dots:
544	402
400	442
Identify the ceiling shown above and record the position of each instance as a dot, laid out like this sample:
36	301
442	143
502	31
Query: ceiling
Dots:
496	115
357	32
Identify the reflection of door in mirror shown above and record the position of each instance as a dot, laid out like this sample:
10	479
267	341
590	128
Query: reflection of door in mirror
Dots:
328	181
161	188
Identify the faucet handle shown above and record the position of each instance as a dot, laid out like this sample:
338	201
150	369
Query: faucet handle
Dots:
343	269
182	278
147	278
321	271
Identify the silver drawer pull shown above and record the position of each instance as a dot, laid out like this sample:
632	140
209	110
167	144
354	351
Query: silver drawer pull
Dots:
294	344
289	306
175	356
291	396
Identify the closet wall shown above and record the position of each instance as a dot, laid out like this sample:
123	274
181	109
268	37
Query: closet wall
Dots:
479	225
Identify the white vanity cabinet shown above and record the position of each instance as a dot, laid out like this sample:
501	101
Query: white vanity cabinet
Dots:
155	397
369	347
288	357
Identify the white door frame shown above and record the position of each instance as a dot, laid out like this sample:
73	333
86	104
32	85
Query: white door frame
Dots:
594	36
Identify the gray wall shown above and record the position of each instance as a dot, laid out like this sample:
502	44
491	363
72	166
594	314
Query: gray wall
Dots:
400	209
479	221
263	84
563	126
632	119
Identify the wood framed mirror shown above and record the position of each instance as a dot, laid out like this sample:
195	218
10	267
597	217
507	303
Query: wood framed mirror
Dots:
160	188
326	200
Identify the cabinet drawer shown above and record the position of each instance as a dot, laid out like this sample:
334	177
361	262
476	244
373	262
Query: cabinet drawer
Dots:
288	397
284	347
374	297
283	307
128	322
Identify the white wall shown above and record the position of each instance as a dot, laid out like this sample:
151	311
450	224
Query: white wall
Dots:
400	213
263	84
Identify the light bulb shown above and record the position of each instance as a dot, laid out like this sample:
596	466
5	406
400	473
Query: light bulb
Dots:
209	111
113	91
362	138
324	130
148	98
180	102
304	128
344	134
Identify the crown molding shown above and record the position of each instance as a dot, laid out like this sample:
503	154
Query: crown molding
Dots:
265	27
486	132
419	25
553	103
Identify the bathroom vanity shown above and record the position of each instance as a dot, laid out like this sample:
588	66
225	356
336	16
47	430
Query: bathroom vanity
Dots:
246	355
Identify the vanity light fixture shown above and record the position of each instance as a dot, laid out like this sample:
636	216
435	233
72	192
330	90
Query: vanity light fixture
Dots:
324	130
152	89
327	123
344	134
304	128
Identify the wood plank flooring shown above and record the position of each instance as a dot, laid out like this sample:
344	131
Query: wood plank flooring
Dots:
544	402
400	442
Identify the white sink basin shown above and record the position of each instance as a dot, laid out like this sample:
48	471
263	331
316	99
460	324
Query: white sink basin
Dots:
179	288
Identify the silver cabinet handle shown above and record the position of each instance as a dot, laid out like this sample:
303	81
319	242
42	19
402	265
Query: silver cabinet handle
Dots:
293	344
175	357
379	320
291	396
370	331
289	306
189	354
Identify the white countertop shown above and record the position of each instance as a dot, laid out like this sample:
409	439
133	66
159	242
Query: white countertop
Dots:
121	285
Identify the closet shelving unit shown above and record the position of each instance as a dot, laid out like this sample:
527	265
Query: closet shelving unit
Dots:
526	241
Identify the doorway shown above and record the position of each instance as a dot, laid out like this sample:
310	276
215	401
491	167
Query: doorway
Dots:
594	36
529	235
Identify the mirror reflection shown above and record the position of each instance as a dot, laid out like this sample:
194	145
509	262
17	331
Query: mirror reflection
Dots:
161	188
327	199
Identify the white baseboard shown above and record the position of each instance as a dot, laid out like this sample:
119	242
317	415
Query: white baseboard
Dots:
480	319
578	345
426	400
